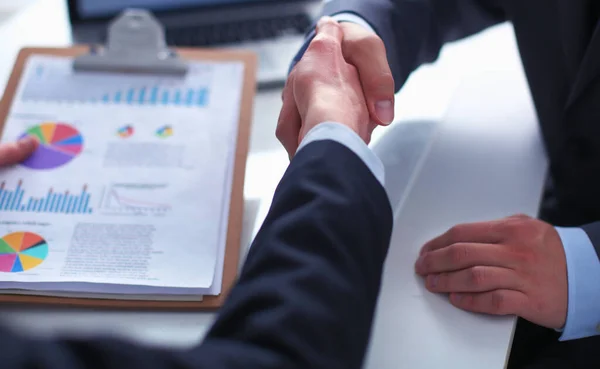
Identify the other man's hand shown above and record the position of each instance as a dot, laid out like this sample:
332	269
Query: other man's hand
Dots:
322	87
366	51
510	266
12	153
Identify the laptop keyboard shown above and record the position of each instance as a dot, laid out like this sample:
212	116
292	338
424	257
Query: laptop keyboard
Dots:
226	33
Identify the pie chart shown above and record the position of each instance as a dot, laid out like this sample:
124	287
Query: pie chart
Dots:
164	132
125	131
59	144
21	251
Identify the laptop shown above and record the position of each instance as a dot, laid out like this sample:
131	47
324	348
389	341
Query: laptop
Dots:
274	29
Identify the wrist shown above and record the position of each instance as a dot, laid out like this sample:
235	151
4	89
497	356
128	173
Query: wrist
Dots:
318	114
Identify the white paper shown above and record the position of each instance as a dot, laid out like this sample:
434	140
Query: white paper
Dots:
152	202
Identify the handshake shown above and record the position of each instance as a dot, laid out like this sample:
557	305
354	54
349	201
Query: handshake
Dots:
343	77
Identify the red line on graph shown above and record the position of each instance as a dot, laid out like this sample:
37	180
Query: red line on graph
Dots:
139	203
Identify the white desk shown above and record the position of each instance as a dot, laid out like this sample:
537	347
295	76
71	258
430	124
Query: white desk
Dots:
425	97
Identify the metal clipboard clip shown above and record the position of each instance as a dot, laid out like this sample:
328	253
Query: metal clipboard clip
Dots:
136	44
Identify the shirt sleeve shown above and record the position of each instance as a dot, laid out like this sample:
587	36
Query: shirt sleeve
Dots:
340	17
347	137
583	273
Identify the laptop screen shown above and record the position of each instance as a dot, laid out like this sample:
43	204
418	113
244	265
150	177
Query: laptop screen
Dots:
103	8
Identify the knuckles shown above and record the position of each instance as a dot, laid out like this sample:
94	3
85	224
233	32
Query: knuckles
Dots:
426	263
522	230
459	254
498	303
477	277
455	233
323	44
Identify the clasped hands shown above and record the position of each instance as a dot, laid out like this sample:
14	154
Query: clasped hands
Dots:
511	266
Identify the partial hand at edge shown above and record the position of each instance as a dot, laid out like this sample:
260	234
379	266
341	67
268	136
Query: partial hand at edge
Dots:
12	153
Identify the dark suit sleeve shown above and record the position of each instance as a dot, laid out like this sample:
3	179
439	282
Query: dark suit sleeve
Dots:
593	232
306	295
415	30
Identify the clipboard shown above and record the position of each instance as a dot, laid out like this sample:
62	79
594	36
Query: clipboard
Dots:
140	28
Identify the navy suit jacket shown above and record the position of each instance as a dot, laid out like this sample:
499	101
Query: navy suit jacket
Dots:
559	42
306	295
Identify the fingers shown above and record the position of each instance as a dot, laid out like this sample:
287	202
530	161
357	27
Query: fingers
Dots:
366	51
476	279
461	256
483	232
498	302
289	123
15	152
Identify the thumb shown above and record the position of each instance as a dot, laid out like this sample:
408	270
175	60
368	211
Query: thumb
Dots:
15	152
366	51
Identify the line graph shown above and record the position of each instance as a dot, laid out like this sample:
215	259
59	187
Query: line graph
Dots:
135	199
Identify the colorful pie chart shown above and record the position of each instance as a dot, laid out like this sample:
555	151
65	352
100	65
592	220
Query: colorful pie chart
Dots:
125	131
59	144
21	251
164	132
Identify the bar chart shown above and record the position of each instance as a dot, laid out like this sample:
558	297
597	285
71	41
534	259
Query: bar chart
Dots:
157	96
54	202
56	82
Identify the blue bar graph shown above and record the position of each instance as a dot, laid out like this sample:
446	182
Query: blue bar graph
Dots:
87	202
64	202
130	94
50	200
74	205
155	95
68	205
142	95
8	200
202	97
56	207
189	99
13	201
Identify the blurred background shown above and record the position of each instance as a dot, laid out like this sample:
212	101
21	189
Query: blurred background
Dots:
273	29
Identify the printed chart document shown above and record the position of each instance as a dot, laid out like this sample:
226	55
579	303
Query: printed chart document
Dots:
128	192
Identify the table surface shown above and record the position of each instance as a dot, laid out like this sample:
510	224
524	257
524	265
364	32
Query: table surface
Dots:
425	97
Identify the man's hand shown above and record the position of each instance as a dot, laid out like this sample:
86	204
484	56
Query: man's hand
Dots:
322	87
366	51
514	266
15	152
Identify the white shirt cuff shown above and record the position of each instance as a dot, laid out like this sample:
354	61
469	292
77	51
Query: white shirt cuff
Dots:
583	274
353	18
342	134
